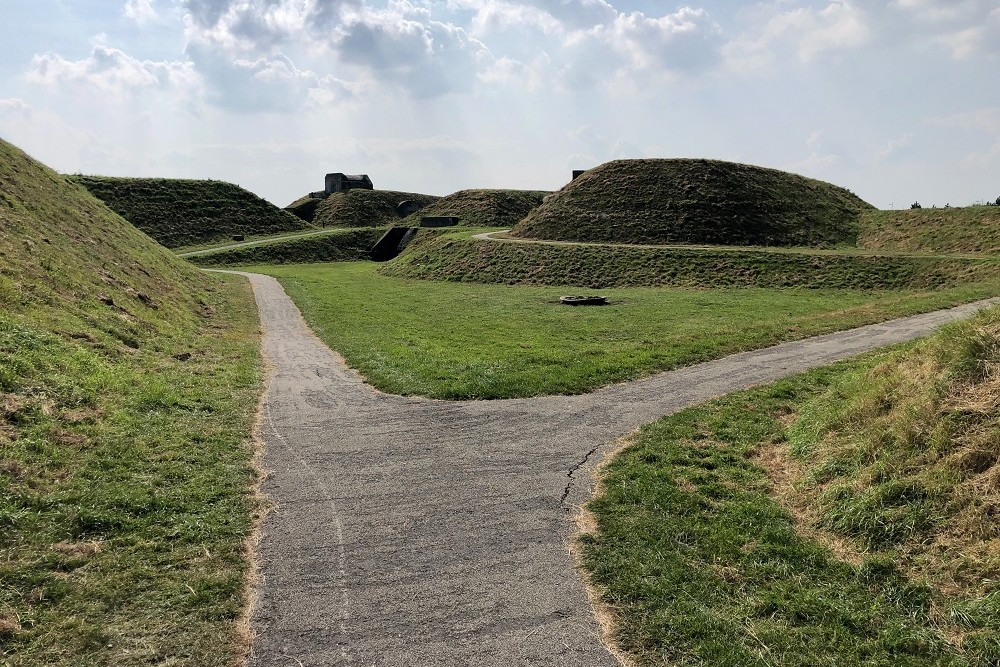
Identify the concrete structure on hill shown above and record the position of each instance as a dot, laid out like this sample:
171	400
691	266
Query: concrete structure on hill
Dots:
343	182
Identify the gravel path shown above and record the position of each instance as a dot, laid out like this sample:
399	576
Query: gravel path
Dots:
413	532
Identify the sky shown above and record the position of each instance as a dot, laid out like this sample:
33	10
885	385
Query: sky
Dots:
896	100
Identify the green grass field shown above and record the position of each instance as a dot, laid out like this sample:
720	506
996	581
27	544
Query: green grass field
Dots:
461	341
843	517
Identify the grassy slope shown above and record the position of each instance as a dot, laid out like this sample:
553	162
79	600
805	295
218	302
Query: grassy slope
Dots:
696	201
969	229
490	341
128	384
337	245
483	208
364	208
455	257
179	212
847	516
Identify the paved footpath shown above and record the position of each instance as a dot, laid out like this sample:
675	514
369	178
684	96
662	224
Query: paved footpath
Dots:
413	532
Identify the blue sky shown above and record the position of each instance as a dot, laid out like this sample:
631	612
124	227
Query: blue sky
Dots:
898	100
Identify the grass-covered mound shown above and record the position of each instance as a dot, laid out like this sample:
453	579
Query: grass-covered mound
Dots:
179	212
696	201
483	208
847	516
128	382
456	258
970	229
337	245
359	208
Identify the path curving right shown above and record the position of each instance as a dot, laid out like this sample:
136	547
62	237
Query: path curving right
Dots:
414	532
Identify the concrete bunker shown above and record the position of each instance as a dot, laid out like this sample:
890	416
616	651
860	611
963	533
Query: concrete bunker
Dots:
392	243
339	182
408	207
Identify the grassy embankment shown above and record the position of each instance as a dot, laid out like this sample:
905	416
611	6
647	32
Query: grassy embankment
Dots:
335	245
696	201
128	388
188	213
460	341
483	208
356	208
457	257
969	229
844	517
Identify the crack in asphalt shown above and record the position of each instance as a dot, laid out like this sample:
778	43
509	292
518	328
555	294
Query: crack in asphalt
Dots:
570	475
414	532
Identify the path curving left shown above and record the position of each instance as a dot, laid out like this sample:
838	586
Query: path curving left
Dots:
414	532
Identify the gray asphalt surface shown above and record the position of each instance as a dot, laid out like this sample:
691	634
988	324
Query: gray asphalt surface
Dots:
418	532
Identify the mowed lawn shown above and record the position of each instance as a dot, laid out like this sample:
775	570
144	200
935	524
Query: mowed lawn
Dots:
465	341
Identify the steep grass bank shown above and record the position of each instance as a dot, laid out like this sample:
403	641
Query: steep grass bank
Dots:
360	208
696	201
128	385
970	229
337	245
483	208
462	259
178	212
846	516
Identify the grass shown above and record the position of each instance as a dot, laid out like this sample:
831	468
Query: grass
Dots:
330	246
460	341
182	213
206	248
364	208
902	456
483	208
696	201
128	388
830	519
459	258
969	229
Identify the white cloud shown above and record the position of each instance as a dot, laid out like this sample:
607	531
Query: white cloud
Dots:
635	46
500	16
938	11
140	11
262	25
977	40
511	72
551	16
11	106
402	46
979	130
984	121
896	146
805	31
268	84
112	71
46	136
819	161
